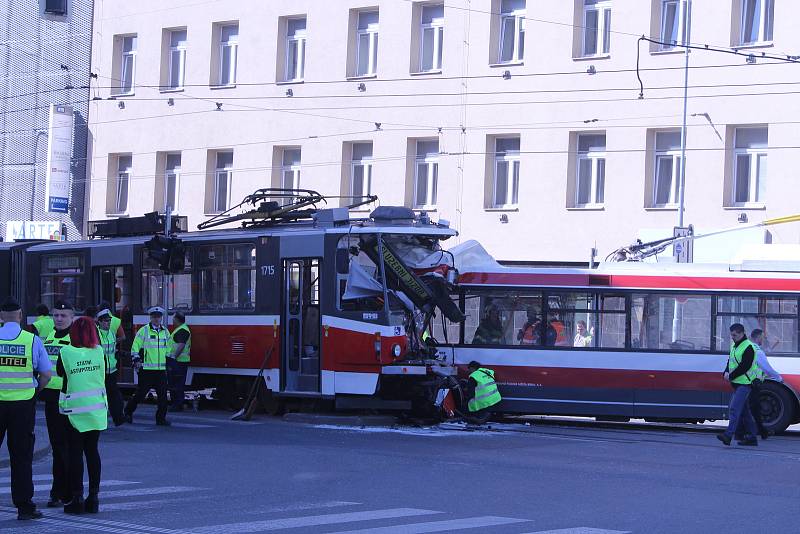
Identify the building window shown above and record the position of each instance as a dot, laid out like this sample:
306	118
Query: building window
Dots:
667	169
124	164
426	174
361	170
55	7
757	21
505	189
591	167
512	31
367	44
431	38
172	174
290	169
127	73
674	19
177	58
223	172
295	49
750	165
228	52
596	27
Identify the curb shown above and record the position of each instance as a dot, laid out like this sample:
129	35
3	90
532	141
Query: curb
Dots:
341	420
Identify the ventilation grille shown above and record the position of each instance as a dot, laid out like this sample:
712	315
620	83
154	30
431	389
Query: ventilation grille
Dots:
238	346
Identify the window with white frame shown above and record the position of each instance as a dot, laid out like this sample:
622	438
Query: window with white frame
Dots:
172	172
223	173
512	31
758	17
367	43
591	167
295	49
361	170
674	18
127	73
177	58
666	182
431	38
505	191
750	165
290	169
426	174
596	27
124	164
228	52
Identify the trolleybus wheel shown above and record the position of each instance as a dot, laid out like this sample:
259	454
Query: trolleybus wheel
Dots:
777	407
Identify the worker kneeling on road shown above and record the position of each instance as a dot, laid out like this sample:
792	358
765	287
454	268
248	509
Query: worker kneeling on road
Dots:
481	382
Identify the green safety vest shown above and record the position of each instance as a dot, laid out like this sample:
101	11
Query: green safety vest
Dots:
154	344
116	322
44	326
108	340
735	358
53	347
84	402
486	393
16	368
184	355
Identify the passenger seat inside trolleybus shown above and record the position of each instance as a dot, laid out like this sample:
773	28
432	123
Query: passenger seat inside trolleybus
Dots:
310	363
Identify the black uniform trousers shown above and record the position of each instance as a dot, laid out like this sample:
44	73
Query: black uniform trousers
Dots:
17	419
57	432
754	401
114	397
83	444
150	380
176	372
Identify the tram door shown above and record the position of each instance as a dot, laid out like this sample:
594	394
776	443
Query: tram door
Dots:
301	350
113	284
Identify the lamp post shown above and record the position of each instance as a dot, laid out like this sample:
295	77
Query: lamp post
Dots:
682	180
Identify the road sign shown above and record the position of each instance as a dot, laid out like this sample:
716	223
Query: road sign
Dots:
683	250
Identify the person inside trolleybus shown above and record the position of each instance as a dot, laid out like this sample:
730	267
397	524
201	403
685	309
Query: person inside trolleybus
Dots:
490	329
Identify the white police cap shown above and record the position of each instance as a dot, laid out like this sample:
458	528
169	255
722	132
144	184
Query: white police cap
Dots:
156	310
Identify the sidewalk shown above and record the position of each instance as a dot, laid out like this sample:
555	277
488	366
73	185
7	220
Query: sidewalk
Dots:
41	447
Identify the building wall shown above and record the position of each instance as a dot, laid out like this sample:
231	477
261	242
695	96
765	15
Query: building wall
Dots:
45	60
548	100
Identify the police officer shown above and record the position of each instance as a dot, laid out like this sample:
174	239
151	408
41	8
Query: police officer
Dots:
485	393
116	322
22	359
43	325
178	357
149	351
108	340
742	369
63	315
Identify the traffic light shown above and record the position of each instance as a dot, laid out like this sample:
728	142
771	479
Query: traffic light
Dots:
168	252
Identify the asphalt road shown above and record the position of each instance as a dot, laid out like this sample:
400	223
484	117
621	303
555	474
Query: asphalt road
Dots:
207	474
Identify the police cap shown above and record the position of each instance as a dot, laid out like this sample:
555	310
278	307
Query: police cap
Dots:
62	305
10	305
156	310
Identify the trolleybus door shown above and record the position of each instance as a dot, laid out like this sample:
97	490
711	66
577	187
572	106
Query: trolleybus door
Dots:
301	347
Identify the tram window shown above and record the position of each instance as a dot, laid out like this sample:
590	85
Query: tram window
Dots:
227	278
180	296
671	322
62	279
344	255
776	316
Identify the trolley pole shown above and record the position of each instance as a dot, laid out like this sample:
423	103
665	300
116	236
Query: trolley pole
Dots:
682	180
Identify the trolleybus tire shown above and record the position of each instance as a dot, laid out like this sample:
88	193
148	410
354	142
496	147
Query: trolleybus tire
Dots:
778	406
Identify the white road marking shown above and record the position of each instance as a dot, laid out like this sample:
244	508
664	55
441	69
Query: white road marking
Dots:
78	524
429	431
134	505
146	491
304	506
7	480
38	488
312	521
580	530
439	526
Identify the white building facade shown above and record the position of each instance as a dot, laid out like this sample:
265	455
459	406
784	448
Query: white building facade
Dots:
519	121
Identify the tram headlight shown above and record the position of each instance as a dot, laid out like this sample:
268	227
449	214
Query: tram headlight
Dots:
396	350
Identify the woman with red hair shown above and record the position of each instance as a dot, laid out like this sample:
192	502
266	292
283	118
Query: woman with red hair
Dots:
83	401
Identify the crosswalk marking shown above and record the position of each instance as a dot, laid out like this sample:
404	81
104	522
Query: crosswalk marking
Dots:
313	521
36	478
39	488
439	526
77	524
147	491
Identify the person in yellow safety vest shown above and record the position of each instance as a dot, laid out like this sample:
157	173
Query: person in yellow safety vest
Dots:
741	371
116	322
43	325
485	393
149	352
22	360
63	315
83	401
108	340
179	348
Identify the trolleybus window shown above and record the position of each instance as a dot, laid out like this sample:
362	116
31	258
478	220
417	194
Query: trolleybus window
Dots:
583	320
776	316
62	278
180	295
227	278
671	322
504	318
